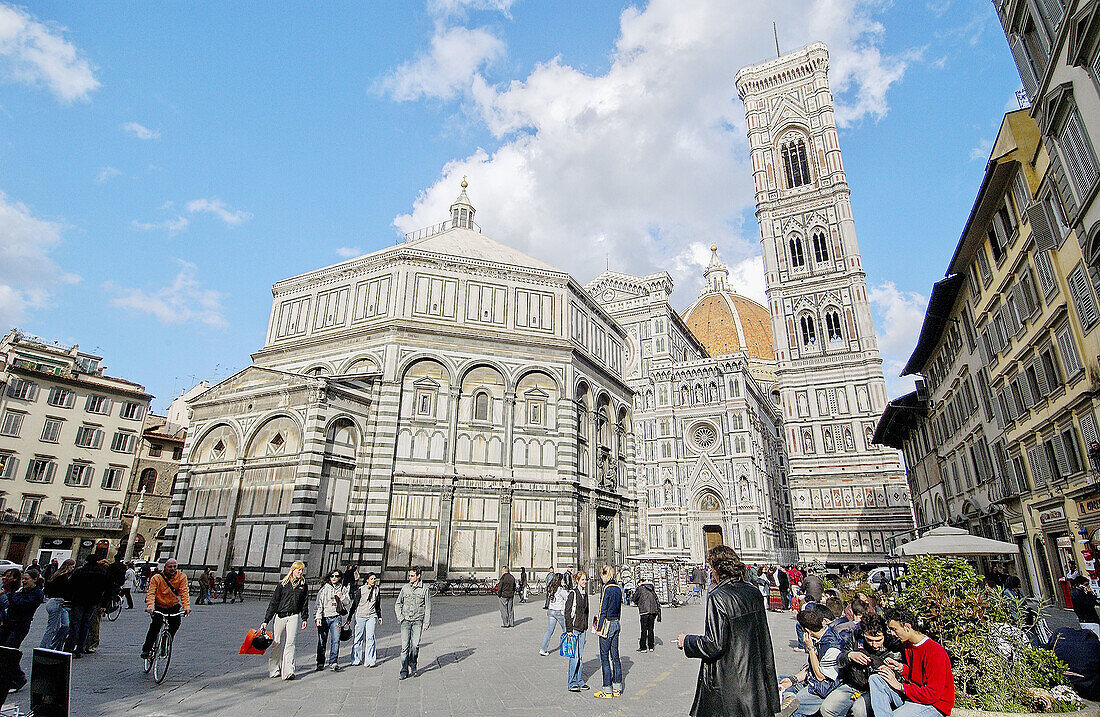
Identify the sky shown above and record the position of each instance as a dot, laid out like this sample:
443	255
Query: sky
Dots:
163	164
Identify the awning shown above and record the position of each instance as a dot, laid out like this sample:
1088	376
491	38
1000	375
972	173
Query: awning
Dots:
901	416
954	541
936	317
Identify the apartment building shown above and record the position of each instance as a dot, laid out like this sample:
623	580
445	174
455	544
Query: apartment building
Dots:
68	433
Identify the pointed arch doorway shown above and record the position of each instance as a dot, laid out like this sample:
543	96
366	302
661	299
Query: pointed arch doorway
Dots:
712	536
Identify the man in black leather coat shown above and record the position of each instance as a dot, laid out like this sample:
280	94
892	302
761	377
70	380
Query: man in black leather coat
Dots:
737	674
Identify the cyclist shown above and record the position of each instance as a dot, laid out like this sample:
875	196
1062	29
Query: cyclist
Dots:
167	593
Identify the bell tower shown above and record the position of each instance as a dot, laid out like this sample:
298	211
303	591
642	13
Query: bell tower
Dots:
848	495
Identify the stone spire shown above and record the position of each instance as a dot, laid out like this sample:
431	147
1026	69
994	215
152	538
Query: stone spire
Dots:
462	212
716	272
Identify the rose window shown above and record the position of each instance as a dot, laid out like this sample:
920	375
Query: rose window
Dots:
704	435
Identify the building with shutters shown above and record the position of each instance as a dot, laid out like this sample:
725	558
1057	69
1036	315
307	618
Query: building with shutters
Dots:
1005	413
68	433
448	402
849	495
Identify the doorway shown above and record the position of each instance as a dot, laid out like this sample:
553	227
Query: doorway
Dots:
712	536
605	537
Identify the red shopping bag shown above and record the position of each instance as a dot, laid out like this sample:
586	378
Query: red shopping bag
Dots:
248	648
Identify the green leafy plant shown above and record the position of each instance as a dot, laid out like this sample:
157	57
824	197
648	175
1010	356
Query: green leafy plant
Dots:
994	665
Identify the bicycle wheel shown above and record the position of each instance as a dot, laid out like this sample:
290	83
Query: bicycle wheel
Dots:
114	610
162	657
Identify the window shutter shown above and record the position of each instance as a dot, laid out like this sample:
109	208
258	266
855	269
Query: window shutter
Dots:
1088	428
1078	155
1042	229
1021	194
983	347
1083	298
1025	390
998	411
1045	271
1023	64
1039	468
1052	11
1060	456
1040	377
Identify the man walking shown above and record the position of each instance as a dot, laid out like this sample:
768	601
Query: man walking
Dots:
506	591
129	582
167	593
239	593
87	587
229	585
414	614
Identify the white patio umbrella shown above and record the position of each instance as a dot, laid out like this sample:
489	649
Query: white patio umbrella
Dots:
954	541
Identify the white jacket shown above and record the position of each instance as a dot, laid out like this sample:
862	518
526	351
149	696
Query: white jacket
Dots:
327	599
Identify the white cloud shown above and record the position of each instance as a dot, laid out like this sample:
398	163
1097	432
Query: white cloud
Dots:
215	206
980	152
106	173
35	53
899	315
140	131
641	162
182	301
172	226
347	252
448	67
28	274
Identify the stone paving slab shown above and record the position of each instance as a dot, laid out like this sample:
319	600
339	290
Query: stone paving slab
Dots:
469	666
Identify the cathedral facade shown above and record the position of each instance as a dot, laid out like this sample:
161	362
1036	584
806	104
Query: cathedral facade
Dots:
448	402
849	496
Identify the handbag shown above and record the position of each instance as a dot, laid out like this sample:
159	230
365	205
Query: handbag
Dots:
568	646
345	632
255	643
340	609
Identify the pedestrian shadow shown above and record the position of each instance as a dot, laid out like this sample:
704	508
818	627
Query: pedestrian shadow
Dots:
594	667
522	620
448	658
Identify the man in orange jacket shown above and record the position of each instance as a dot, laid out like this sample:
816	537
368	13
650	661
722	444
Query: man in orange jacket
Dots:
167	593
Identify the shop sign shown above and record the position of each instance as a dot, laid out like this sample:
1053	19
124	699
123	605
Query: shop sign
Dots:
1052	514
1088	506
1017	529
1064	541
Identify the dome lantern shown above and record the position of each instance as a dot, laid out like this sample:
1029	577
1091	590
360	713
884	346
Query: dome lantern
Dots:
462	212
716	273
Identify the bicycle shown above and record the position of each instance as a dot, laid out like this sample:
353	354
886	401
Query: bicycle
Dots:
114	609
161	655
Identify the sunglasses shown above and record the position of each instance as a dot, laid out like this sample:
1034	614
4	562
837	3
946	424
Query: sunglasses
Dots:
330	577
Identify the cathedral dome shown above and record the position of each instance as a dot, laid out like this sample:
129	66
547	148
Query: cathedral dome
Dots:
726	322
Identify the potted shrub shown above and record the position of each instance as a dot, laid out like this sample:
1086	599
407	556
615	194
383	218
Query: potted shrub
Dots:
997	670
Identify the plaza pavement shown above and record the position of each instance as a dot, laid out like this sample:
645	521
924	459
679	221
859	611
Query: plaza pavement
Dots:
469	665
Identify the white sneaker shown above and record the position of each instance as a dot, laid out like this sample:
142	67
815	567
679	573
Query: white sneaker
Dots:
544	653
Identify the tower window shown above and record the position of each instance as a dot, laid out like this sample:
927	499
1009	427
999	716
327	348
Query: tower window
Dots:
832	326
809	333
821	248
481	406
795	164
798	258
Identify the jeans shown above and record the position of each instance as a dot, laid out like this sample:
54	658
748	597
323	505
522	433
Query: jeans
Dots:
609	656
507	618
57	624
798	634
362	649
410	644
645	641
885	702
553	619
80	619
154	626
839	702
808	703
573	677
329	631
280	656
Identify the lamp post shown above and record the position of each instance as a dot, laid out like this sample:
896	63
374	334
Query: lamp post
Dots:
133	528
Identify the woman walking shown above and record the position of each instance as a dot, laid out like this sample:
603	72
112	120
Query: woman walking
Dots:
576	620
523	585
367	609
556	615
289	604
331	614
649	611
607	627
57	607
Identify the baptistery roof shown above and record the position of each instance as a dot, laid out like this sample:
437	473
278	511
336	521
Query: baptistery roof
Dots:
726	322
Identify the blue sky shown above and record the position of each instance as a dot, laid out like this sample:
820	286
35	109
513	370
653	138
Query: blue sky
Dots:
162	164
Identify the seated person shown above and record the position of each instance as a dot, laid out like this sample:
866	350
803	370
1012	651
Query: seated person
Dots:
848	623
1080	649
873	644
921	687
1084	601
823	647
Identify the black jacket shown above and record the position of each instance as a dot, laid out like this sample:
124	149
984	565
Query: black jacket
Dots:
116	574
288	600
507	586
58	586
1081	651
576	610
784	581
89	584
859	676
357	595
737	675
646	599
1084	604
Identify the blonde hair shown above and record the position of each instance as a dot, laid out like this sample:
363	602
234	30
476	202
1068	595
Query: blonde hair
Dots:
579	574
296	565
607	573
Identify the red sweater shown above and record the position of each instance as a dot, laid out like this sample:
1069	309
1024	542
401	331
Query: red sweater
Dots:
927	674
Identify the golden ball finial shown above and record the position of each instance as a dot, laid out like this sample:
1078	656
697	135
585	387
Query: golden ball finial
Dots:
714	247
463	185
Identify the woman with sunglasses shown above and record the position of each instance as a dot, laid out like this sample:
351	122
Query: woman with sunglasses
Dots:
331	614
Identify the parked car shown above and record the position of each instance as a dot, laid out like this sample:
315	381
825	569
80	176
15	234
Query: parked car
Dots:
6	565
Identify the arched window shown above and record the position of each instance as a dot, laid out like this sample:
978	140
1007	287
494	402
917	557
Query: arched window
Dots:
809	333
798	258
147	480
832	326
795	164
481	406
821	248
